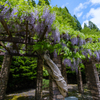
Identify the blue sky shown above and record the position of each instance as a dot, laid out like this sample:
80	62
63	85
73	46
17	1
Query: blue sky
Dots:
85	10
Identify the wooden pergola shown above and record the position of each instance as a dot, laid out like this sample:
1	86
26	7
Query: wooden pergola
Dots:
22	37
25	37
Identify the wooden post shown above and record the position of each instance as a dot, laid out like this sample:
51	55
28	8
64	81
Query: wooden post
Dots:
63	71
4	74
38	92
92	76
54	91
79	81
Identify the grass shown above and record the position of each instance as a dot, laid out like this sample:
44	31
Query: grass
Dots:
19	97
45	84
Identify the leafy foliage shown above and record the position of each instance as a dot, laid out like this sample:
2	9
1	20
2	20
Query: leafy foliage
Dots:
60	35
32	1
45	1
22	72
78	23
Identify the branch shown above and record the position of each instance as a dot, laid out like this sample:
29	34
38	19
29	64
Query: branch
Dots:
41	38
16	40
1	43
26	34
56	75
18	54
4	25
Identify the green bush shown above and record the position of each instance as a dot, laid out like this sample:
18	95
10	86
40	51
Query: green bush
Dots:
45	84
22	73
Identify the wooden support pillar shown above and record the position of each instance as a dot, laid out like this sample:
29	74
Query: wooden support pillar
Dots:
79	80
86	74
54	91
63	71
4	75
92	77
38	92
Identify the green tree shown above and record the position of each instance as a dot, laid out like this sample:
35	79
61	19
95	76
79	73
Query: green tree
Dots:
78	23
67	10
86	30
66	17
85	25
90	29
46	2
33	2
93	26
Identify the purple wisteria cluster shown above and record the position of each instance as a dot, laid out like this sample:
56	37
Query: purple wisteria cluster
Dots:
74	41
37	24
74	64
77	41
96	54
56	36
66	36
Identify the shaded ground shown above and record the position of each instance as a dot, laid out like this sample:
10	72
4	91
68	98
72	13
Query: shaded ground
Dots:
73	91
30	94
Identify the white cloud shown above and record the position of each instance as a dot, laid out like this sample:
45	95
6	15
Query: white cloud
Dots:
95	1
79	14
81	6
78	10
95	14
86	21
90	13
64	5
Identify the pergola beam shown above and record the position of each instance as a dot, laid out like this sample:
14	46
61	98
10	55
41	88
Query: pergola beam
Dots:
17	54
4	25
16	40
1	43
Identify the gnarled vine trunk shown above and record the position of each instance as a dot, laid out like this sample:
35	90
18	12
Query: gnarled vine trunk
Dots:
4	74
57	80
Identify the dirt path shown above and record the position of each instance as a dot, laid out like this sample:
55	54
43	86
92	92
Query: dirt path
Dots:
30	94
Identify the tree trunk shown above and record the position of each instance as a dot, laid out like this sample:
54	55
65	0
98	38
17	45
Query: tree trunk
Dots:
58	86
79	81
92	76
38	93
4	74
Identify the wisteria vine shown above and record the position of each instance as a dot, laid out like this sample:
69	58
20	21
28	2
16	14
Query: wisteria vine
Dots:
37	25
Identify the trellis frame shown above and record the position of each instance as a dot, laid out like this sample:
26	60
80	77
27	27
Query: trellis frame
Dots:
27	40
9	38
